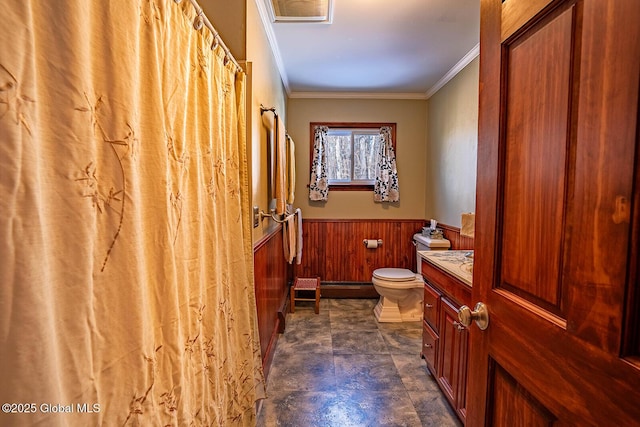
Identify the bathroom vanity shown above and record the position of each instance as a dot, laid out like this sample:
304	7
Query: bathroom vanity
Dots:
448	279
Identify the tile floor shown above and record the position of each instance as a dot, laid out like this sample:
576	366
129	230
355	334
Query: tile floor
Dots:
342	368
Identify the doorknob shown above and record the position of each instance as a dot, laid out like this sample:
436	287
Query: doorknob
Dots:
480	314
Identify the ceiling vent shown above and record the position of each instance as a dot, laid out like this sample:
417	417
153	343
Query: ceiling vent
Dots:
319	11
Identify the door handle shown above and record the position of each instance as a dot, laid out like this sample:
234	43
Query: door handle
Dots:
479	313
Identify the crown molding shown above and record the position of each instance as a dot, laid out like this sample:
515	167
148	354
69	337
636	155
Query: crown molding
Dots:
470	56
358	95
271	37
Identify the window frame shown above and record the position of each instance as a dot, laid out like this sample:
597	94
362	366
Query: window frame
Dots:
349	126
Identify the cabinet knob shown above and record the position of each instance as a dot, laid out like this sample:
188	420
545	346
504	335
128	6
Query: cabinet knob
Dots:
479	313
428	306
428	346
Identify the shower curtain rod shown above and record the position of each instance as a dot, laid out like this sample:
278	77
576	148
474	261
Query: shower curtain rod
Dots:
202	19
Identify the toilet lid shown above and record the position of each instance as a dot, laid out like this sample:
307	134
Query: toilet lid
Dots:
394	274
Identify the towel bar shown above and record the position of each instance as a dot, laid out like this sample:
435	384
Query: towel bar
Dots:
259	216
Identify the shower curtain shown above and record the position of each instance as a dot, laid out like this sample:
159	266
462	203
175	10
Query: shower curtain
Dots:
126	281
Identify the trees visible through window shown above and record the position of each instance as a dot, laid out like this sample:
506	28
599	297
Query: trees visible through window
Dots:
352	153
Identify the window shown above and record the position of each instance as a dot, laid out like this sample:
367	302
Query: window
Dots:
352	153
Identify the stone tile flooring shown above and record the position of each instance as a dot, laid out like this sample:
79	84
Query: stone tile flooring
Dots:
342	368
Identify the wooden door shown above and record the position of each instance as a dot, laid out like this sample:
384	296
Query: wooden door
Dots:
557	215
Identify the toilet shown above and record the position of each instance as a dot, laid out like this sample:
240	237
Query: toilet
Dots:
401	290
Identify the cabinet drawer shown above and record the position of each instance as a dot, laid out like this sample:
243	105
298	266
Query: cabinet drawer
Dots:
429	347
431	306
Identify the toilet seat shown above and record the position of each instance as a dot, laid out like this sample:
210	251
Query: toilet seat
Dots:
396	275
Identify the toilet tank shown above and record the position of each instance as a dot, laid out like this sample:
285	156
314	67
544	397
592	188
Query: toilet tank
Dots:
425	243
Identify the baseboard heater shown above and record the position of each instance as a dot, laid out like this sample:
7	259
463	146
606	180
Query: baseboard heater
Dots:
348	290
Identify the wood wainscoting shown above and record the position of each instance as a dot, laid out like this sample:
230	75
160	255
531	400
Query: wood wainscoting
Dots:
271	287
334	250
458	242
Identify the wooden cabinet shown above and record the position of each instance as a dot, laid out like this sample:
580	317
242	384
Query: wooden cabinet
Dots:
444	339
452	356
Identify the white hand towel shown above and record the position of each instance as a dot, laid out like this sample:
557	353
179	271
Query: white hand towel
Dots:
291	170
299	233
291	236
281	166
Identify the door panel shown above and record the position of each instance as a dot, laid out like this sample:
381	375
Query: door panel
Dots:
513	402
515	14
557	150
538	67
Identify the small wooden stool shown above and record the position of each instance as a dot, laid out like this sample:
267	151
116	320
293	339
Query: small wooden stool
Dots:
305	284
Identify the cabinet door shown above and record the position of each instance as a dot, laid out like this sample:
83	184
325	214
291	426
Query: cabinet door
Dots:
431	306
449	351
461	407
429	347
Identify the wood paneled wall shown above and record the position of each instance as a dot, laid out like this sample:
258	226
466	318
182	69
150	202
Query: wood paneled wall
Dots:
452	234
270	273
334	249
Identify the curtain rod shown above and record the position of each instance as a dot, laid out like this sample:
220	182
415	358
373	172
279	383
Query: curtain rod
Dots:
202	19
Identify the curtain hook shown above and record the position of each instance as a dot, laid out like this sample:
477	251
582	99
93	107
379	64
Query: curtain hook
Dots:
177	1
198	22
215	42
225	61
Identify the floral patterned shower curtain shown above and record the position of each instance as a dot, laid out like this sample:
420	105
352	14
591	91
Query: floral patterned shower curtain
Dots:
125	256
386	187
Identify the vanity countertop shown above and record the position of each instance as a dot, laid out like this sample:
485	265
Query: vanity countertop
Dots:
458	263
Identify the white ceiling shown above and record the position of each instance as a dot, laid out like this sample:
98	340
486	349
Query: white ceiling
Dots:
401	48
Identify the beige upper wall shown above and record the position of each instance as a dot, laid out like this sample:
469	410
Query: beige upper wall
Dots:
241	29
452	147
266	88
410	119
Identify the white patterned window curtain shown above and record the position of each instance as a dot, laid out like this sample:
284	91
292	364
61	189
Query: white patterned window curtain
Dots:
318	183
386	187
126	271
